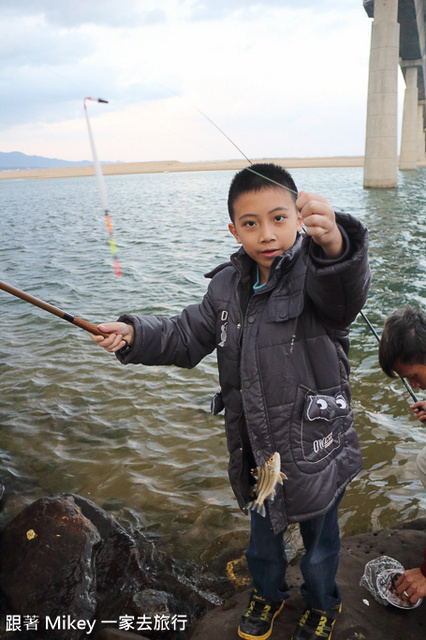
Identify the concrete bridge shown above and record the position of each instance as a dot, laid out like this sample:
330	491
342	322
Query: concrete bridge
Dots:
397	38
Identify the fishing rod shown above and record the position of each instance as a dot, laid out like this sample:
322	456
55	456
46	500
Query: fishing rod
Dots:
374	332
101	186
78	322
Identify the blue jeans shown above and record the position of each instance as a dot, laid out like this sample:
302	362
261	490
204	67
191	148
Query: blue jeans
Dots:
267	559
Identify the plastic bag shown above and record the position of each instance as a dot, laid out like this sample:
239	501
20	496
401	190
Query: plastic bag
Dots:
373	569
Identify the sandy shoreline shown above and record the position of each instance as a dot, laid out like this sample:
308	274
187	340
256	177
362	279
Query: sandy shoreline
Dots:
173	166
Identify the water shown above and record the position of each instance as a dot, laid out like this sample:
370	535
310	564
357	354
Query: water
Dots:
141	442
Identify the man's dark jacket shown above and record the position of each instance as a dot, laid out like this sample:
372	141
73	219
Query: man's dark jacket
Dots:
283	364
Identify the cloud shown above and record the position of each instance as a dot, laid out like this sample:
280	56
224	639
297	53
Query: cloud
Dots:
267	72
111	13
248	9
45	72
32	42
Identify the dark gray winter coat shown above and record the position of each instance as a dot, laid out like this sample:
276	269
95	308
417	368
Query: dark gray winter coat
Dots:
283	366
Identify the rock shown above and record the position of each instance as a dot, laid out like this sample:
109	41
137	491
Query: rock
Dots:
358	621
65	558
70	564
116	634
152	601
46	557
119	567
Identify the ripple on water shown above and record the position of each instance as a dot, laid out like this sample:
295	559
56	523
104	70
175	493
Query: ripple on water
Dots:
141	441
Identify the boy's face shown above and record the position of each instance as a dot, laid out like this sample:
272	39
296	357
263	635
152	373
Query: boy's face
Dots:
415	374
266	223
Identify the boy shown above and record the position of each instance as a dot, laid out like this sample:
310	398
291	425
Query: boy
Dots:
278	314
402	351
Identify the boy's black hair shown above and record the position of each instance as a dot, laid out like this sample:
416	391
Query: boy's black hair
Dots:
251	179
404	339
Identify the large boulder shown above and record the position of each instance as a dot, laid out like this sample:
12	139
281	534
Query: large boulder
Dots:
46	560
70	565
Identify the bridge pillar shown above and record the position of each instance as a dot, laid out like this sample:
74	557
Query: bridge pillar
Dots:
409	134
380	164
421	141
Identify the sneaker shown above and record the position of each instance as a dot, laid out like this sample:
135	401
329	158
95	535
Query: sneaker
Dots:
257	621
316	623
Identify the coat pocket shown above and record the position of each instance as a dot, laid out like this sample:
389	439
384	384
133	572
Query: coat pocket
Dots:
318	427
283	308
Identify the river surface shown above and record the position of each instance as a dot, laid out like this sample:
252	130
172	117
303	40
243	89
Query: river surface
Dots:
139	441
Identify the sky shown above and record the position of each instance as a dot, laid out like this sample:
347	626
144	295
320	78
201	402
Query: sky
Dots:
280	78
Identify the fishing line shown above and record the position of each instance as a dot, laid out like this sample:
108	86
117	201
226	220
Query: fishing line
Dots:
229	139
101	187
273	181
407	386
308	254
209	120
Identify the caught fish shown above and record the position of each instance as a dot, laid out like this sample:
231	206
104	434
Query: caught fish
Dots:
267	478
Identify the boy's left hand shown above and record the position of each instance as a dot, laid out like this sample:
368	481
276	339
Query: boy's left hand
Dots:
320	223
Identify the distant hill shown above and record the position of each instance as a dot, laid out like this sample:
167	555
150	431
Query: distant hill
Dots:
16	160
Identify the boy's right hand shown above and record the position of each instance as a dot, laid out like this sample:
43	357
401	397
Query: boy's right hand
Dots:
419	409
120	335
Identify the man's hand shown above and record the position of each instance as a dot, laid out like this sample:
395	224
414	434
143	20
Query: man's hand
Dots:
411	586
419	409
